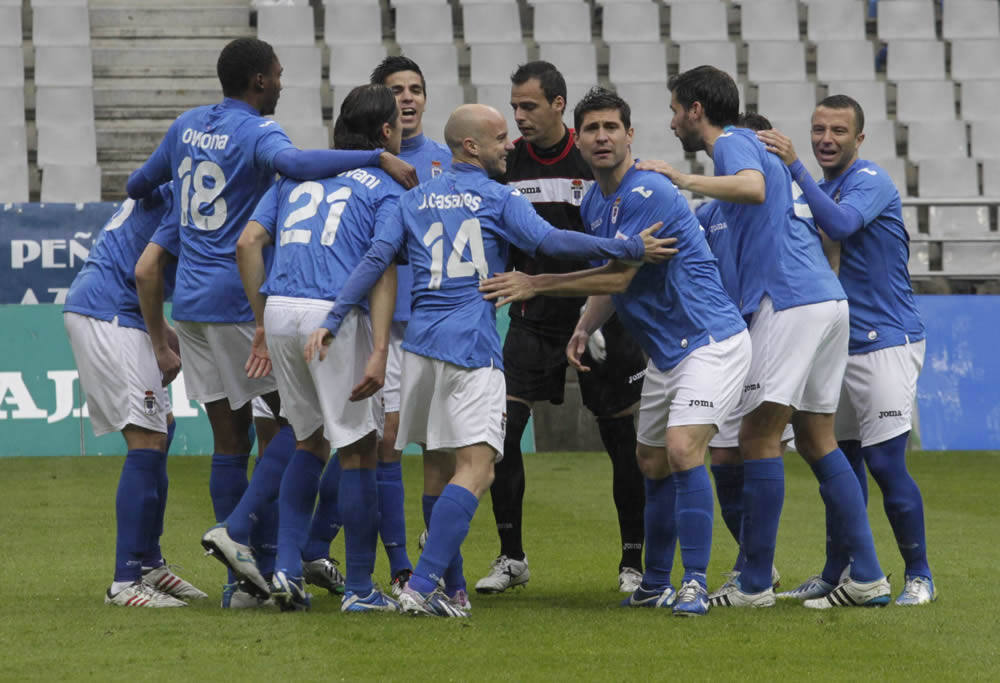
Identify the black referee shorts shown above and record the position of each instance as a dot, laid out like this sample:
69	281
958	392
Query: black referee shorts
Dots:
535	368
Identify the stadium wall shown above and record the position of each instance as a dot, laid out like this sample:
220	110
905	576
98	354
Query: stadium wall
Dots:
42	410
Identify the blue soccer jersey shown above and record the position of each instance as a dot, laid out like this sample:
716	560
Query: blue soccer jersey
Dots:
722	242
457	229
221	158
874	260
322	228
430	159
670	308
105	286
779	253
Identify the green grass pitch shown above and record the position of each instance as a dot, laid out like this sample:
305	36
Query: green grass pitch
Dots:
57	552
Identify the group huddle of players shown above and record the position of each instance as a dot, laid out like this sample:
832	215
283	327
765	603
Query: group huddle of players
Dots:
346	299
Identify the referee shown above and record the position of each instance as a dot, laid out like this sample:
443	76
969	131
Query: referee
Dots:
547	169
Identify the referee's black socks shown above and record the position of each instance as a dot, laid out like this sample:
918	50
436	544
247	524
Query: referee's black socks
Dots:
618	435
507	490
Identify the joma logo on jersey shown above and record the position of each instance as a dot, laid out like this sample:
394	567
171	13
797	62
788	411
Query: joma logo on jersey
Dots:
531	190
646	194
203	140
751	387
890	413
701	404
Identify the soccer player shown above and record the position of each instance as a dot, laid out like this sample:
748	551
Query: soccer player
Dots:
126	392
697	342
321	230
857	205
799	329
430	158
222	159
546	167
456	229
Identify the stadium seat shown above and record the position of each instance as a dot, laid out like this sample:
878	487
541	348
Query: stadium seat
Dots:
869	94
991	178
659	142
975	59
492	63
11	66
62	3
308	135
925	101
952	178
69	106
845	60
491	24
284	25
985	137
770	20
13	143
424	24
574	93
438	61
443	100
637	62
880	140
980	100
63	66
970	19
698	21
906	19
650	103
788	100
720	54
828	21
12	105
62	143
919	258
71	183
936	140
60	26
561	22
973	258
352	64
302	66
776	61
299	106
498	96
14	188
10	26
576	61
920	60
352	23
631	22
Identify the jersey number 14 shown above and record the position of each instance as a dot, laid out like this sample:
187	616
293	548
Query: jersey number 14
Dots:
469	234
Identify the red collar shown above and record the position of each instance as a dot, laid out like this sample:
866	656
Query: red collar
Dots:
548	161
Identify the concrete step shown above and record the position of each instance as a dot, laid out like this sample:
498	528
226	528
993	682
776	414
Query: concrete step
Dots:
110	93
132	4
170	21
158	61
114	176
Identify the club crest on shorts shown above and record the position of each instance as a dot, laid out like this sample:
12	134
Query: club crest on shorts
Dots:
435	169
614	210
576	188
149	403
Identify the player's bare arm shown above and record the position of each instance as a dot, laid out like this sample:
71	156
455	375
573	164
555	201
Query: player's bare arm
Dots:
745	187
596	312
611	278
149	285
250	260
383	304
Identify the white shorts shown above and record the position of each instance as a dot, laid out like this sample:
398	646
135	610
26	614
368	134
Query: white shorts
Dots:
876	403
262	411
390	391
729	432
315	395
215	357
799	356
702	389
118	374
445	406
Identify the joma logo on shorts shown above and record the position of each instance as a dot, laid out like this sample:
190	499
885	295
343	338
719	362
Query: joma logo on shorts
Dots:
637	376
703	404
751	387
890	413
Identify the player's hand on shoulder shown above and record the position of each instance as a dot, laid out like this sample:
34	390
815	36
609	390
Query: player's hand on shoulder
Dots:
657	250
575	348
665	169
402	172
318	344
778	144
504	288
259	363
374	376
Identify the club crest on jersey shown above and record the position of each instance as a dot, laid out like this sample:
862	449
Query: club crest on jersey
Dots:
436	169
576	187
614	210
149	404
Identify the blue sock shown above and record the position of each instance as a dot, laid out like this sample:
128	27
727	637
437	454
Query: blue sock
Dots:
837	556
838	485
852	451
264	485
264	538
392	521
729	491
296	499
454	575
661	531
449	525
136	506
763	497
326	518
359	509
904	505
153	557
695	514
